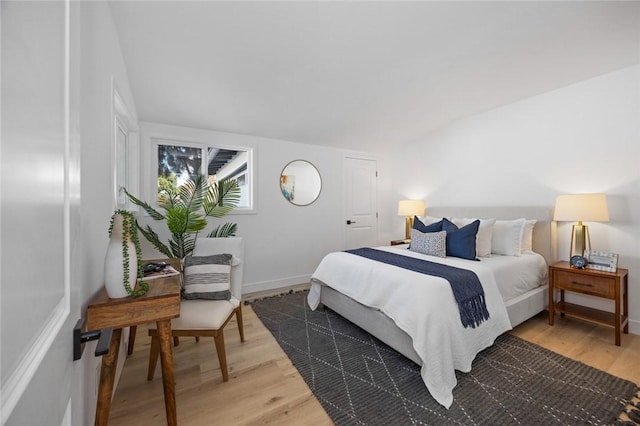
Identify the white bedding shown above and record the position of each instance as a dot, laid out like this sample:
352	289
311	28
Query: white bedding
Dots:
516	275
421	305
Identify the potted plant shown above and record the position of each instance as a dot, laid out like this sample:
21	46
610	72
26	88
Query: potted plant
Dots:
186	209
123	261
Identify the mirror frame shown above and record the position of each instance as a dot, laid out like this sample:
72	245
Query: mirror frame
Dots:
282	189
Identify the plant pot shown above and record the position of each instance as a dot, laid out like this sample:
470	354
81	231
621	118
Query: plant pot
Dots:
114	262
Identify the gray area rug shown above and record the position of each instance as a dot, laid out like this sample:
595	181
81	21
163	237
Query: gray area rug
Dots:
360	380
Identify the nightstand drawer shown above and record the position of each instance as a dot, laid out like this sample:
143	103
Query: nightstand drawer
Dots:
588	284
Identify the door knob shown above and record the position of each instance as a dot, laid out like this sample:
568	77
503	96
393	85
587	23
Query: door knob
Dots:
349	222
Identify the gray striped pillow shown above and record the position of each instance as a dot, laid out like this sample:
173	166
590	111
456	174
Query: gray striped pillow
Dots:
207	277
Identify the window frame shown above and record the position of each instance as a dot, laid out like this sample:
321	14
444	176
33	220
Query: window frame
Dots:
124	154
156	140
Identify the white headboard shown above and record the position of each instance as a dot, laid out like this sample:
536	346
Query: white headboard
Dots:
544	232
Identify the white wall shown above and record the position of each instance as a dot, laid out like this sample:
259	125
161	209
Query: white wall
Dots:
580	138
101	64
284	243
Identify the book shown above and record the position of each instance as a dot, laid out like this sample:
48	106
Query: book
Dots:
153	271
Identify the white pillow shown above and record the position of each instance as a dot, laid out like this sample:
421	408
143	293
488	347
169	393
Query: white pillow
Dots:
527	236
429	220
507	237
484	235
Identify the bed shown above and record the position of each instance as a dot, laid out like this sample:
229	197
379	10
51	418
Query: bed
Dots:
437	347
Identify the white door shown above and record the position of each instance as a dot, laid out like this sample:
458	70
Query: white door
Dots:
37	312
360	200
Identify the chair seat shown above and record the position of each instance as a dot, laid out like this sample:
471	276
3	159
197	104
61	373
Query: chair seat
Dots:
202	314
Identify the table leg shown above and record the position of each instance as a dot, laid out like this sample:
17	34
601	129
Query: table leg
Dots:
132	338
107	376
551	302
625	304
618	320
168	382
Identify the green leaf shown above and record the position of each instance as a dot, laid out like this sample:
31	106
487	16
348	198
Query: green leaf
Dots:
224	231
181	220
152	237
150	210
191	193
167	200
222	198
182	245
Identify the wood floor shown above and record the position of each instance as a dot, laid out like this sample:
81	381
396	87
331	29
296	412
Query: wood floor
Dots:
264	387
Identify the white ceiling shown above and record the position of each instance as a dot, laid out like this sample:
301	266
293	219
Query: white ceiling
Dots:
360	75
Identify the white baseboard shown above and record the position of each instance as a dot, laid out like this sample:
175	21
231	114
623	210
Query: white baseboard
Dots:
275	284
634	327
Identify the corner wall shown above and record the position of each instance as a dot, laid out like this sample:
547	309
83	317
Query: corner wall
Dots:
581	138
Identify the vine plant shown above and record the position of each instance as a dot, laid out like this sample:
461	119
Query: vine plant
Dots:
130	230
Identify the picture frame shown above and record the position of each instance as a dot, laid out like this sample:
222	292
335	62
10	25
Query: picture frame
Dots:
602	260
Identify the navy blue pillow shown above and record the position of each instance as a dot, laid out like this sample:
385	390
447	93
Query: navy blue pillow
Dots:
419	226
461	242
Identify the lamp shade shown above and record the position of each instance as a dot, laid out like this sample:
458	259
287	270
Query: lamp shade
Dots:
411	208
581	207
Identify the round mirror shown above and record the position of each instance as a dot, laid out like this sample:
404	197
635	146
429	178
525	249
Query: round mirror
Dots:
300	182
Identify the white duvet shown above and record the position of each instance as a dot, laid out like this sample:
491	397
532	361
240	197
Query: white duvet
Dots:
421	305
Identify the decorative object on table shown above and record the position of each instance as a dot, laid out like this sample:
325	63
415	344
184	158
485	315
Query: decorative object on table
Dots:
154	270
602	260
512	382
123	261
581	208
410	208
579	262
186	209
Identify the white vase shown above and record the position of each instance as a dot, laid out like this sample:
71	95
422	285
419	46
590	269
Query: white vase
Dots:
114	262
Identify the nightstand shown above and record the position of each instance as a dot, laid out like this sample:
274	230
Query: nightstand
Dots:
607	285
399	242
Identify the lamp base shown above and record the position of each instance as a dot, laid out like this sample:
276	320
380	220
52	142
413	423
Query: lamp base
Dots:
580	240
407	227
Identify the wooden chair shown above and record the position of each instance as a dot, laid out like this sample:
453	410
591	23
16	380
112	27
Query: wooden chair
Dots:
208	317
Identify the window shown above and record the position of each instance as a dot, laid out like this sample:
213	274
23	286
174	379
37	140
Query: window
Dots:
177	161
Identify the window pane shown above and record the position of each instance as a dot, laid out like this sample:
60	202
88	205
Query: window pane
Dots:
176	164
231	164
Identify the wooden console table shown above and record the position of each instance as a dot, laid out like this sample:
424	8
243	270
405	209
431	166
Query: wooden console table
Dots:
160	305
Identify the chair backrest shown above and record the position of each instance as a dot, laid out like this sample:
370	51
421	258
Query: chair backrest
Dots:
231	245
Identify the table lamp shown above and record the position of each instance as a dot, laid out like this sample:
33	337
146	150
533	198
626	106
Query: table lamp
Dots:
579	208
410	208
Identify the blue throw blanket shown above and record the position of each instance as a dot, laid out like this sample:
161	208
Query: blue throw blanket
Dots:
465	284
